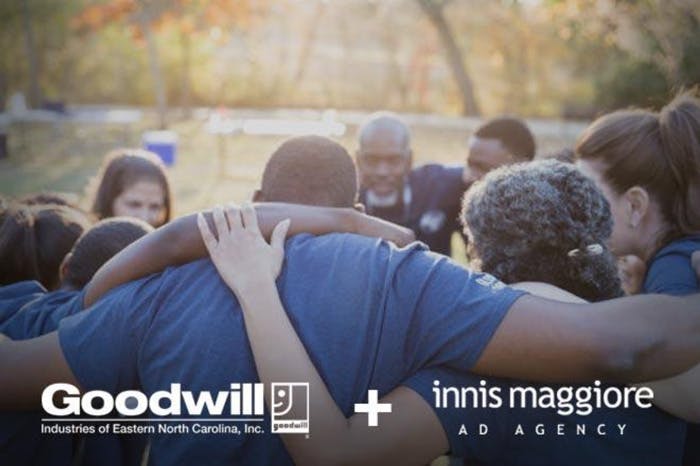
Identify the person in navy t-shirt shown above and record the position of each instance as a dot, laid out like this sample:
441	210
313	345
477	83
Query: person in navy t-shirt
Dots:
647	165
427	199
28	310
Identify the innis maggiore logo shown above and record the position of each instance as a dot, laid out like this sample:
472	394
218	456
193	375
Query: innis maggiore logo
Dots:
290	408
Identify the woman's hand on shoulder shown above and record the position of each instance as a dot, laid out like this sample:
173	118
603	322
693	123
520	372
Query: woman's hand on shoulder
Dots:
238	249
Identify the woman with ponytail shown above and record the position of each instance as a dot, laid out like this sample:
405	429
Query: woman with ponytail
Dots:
648	166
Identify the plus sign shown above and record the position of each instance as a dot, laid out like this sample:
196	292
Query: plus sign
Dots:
373	407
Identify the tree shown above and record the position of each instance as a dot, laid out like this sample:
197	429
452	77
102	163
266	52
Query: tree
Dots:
30	49
435	12
147	17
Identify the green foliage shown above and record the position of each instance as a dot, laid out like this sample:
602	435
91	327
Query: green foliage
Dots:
629	82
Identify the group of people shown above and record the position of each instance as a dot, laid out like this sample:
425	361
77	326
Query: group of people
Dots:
345	300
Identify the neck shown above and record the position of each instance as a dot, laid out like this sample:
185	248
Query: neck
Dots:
655	241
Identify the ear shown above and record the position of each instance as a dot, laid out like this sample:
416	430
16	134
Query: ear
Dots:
637	205
360	207
63	269
409	162
258	196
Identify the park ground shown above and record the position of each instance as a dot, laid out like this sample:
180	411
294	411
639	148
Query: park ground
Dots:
211	169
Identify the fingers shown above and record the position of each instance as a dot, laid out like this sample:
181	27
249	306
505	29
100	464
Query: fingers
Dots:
250	218
220	221
279	234
205	232
233	214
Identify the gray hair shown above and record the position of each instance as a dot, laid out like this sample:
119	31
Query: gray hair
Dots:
525	219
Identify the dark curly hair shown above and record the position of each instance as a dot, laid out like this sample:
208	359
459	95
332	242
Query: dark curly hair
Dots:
525	219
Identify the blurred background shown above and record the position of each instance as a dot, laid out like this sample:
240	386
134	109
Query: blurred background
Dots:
80	77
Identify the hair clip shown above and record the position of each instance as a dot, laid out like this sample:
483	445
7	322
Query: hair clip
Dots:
594	249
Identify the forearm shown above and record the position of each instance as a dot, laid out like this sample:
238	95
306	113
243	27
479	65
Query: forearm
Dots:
625	340
280	356
679	395
27	367
179	241
654	336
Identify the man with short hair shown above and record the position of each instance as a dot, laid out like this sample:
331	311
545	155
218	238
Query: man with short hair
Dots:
425	199
500	141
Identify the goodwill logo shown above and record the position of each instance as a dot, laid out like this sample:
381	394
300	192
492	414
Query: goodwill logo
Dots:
176	410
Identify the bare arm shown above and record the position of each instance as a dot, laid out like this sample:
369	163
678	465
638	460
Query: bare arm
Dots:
27	367
633	339
410	434
179	242
677	395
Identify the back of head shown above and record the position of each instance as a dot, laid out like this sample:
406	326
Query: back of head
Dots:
513	134
680	137
657	151
35	239
123	168
310	170
97	245
525	220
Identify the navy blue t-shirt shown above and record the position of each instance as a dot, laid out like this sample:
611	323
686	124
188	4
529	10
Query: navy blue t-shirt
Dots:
671	272
369	314
651	437
433	211
27	310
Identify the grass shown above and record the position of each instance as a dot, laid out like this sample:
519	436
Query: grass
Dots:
209	169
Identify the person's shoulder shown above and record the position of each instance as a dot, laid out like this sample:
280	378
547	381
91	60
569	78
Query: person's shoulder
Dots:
442	184
53	299
23	288
350	243
436	170
340	254
683	246
671	271
15	296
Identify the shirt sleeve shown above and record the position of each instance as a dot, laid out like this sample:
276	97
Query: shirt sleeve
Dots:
16	295
475	433
449	313
101	344
42	315
671	274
